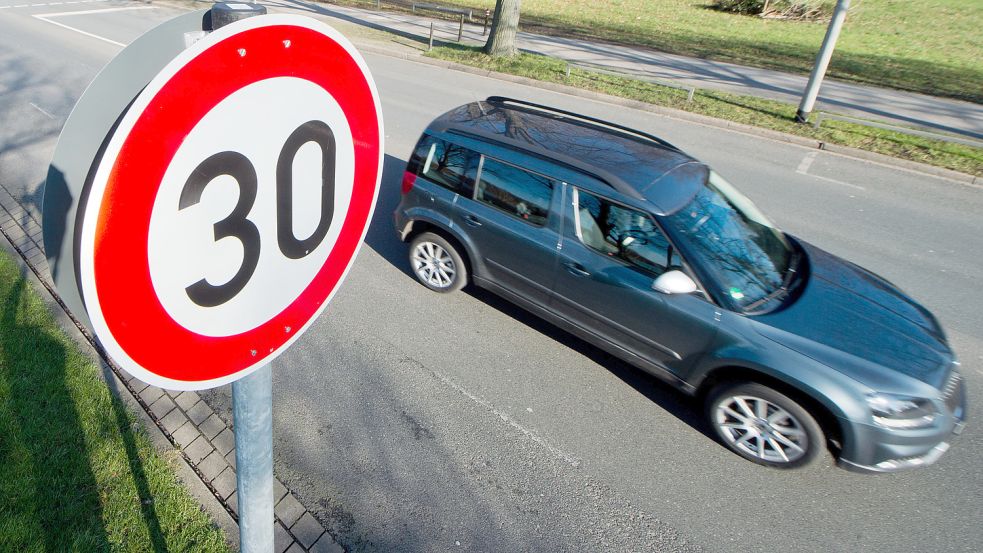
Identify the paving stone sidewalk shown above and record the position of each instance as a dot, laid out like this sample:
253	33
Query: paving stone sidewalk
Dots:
204	439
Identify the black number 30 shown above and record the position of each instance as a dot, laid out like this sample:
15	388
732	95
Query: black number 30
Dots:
236	225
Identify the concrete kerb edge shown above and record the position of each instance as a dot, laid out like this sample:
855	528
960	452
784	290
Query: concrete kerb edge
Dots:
881	159
121	385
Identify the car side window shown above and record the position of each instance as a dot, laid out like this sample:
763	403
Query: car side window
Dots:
515	191
618	231
447	164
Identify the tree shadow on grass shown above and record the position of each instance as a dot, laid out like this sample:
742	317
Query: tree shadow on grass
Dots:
49	493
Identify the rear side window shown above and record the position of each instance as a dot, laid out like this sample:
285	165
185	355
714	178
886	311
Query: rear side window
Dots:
515	191
445	164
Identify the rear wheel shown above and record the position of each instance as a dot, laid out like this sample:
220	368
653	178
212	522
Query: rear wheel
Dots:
764	426
437	264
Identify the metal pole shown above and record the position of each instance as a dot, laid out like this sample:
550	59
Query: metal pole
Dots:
822	61
460	30
252	412
430	44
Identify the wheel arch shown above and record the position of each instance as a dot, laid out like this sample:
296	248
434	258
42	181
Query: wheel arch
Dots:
417	227
826	416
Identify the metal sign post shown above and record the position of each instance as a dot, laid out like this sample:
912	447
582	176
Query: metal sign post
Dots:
192	284
252	411
252	405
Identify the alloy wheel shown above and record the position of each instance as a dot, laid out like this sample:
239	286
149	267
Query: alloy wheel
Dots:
761	429
433	265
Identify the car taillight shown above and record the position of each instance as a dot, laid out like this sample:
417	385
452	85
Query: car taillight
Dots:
408	180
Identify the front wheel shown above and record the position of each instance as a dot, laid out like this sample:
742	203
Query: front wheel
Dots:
764	426
437	264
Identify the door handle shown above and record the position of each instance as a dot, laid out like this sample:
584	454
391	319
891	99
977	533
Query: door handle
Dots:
472	220
576	269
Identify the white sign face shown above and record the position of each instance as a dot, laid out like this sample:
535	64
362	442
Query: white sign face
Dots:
181	249
231	201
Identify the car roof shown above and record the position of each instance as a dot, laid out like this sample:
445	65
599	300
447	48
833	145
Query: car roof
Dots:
634	163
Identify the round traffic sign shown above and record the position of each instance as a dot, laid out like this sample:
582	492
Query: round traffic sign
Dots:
230	201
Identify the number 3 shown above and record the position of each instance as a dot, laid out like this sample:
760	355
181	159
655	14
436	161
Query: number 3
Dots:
236	225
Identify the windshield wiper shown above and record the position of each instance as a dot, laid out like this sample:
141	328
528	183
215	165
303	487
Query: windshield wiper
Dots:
782	291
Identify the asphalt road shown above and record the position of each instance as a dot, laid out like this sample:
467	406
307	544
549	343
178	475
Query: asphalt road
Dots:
412	421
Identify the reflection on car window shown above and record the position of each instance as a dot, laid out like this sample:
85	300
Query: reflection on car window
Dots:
744	253
515	191
622	232
447	165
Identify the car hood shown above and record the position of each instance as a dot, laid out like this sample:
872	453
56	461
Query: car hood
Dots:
848	308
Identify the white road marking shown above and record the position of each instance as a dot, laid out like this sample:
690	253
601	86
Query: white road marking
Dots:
46	18
806	163
103	10
573	461
80	31
43	4
35	106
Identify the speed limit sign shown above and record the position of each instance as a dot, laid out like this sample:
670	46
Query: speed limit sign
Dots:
230	201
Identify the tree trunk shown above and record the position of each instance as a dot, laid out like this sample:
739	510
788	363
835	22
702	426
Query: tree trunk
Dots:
501	39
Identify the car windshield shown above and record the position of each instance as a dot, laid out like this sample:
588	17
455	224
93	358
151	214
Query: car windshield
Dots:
749	260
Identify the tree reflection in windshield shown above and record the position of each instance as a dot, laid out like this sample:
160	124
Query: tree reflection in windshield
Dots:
739	248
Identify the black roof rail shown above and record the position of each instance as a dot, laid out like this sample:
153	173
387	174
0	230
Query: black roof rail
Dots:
502	100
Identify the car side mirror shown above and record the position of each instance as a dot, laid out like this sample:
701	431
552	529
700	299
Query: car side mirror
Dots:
674	282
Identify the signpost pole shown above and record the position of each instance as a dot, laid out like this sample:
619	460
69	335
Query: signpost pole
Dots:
252	405
252	411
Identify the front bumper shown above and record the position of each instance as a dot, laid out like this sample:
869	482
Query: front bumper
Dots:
876	449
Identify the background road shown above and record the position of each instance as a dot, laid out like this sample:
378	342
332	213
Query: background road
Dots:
412	421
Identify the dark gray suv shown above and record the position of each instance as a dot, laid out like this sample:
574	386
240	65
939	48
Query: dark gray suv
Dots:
625	241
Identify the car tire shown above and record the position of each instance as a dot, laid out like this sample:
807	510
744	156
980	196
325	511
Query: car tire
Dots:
764	426
437	264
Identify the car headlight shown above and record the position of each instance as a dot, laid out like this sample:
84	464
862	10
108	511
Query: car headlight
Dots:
901	412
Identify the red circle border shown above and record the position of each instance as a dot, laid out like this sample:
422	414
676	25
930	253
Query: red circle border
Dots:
133	314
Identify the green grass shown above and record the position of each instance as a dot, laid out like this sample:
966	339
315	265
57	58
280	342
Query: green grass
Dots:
77	472
749	110
929	46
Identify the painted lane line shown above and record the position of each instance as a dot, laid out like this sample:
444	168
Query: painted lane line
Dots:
46	18
803	169
834	181
570	459
42	4
807	162
37	107
88	12
80	31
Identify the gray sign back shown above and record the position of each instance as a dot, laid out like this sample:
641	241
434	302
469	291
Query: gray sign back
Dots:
84	137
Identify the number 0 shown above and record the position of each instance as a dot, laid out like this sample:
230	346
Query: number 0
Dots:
320	134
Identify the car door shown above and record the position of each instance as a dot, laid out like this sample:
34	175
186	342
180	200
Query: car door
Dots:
509	222
609	257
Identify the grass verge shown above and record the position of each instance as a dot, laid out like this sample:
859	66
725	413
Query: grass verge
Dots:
749	110
78	471
928	46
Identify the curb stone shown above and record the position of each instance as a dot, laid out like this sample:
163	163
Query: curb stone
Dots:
205	452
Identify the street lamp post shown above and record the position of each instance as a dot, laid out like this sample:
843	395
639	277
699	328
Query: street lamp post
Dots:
822	61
